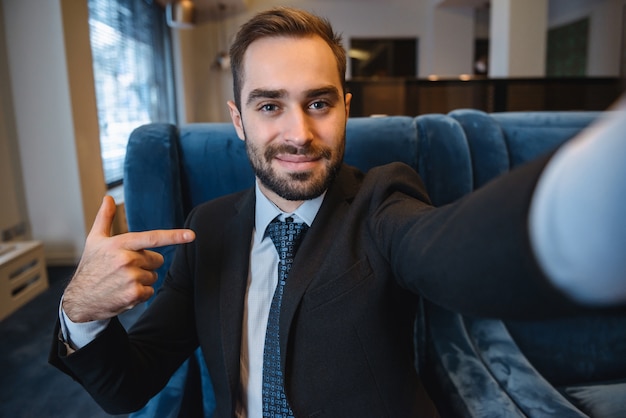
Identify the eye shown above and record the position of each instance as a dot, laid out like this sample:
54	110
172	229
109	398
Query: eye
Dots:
319	105
268	107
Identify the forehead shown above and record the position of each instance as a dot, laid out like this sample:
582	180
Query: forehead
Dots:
289	63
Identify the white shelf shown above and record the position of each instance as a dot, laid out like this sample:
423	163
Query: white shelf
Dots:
23	274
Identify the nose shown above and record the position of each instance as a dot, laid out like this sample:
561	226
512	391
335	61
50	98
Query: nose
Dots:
298	128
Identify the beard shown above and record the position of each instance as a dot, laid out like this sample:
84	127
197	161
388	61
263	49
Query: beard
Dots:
301	185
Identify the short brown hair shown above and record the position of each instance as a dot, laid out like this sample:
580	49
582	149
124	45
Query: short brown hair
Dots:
283	21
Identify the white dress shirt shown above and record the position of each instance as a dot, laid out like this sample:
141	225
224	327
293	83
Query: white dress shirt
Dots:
262	281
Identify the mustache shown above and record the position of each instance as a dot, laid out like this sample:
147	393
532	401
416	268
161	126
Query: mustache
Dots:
311	151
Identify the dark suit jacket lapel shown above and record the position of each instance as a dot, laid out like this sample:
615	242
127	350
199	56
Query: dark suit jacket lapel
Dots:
233	282
312	251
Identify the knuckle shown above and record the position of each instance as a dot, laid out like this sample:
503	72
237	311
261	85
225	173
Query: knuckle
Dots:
142	293
154	260
152	239
152	277
125	258
159	258
133	295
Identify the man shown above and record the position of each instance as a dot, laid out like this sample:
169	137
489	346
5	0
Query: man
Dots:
344	335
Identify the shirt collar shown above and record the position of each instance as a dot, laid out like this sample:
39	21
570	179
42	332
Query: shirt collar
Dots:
266	211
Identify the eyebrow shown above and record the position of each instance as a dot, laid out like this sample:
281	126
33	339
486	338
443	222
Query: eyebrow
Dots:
330	91
260	94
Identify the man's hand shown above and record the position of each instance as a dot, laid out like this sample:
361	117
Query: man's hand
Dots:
116	273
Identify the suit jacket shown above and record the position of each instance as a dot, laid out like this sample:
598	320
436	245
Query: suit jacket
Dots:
347	323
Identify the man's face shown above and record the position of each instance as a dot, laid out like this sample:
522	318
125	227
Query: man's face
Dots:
293	117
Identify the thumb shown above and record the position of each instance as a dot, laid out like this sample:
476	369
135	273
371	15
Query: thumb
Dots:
104	218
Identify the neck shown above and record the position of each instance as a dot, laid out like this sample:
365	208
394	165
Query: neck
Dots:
287	206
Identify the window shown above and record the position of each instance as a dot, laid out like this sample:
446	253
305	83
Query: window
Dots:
133	74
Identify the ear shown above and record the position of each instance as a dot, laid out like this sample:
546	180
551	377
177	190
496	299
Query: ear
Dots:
235	116
348	100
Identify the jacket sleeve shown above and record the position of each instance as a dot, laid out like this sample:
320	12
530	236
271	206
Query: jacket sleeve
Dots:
121	370
472	256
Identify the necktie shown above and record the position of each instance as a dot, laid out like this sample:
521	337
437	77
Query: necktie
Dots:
286	237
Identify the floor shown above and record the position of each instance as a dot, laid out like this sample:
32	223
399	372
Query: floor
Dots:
29	386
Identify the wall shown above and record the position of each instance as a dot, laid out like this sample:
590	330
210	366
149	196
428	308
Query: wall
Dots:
202	89
452	45
55	120
517	46
13	203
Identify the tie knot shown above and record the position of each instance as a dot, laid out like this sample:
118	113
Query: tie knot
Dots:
286	236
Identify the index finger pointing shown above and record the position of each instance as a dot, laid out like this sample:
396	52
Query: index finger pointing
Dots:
157	238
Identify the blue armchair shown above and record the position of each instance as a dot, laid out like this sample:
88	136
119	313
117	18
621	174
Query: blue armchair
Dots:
569	367
471	366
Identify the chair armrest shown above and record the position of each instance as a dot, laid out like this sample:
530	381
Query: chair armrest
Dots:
480	372
510	368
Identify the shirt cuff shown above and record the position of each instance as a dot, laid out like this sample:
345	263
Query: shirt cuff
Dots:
78	334
577	224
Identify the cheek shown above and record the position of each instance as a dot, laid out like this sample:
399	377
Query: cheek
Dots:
334	136
260	132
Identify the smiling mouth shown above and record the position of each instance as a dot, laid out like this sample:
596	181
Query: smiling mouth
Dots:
294	158
297	158
297	163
